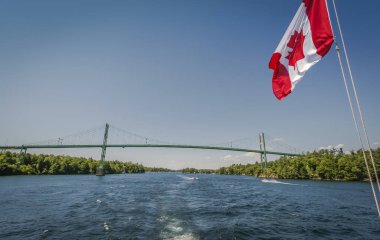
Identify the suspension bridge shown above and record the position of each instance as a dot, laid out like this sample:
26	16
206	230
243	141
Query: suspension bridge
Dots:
124	139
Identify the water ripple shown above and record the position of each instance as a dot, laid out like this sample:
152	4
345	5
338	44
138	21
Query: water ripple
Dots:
175	206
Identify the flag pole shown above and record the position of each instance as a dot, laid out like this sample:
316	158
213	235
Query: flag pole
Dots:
359	110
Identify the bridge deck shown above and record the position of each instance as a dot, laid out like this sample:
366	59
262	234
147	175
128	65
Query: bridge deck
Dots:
146	146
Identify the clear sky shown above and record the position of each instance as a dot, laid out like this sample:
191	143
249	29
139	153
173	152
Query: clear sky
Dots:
193	72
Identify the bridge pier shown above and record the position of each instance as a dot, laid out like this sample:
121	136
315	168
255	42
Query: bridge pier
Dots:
100	171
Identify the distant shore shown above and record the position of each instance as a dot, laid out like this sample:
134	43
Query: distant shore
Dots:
332	165
42	164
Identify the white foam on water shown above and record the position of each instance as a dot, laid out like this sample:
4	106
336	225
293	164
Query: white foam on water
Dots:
186	236
98	201
163	218
188	178
278	182
174	229
106	227
45	231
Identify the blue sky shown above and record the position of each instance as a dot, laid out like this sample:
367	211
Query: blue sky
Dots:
193	72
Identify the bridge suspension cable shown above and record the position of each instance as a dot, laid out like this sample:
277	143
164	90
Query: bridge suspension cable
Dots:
240	142
118	135
280	144
92	135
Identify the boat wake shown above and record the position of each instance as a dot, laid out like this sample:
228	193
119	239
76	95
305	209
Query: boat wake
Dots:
189	178
278	182
174	228
192	178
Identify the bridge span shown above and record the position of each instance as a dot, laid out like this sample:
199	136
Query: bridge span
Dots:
25	147
263	152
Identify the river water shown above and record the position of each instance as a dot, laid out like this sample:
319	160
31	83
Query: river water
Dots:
176	206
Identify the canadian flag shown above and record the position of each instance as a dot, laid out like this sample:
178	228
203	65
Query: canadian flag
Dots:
307	39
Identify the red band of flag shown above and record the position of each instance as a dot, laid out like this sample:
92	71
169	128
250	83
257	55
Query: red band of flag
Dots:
308	38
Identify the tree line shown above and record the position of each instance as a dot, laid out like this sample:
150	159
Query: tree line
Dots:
324	164
158	169
194	170
41	164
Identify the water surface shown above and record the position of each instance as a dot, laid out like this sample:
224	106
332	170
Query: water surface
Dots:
177	206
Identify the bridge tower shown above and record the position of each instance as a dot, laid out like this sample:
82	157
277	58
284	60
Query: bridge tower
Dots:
23	150
23	153
263	154
100	170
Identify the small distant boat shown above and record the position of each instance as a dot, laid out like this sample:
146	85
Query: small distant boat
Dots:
193	178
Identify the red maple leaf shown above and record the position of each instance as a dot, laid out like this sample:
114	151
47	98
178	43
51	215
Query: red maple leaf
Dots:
296	44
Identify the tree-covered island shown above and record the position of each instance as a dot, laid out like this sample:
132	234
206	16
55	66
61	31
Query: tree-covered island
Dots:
42	164
324	165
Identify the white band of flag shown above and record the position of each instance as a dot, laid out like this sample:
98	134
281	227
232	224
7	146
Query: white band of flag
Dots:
308	38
